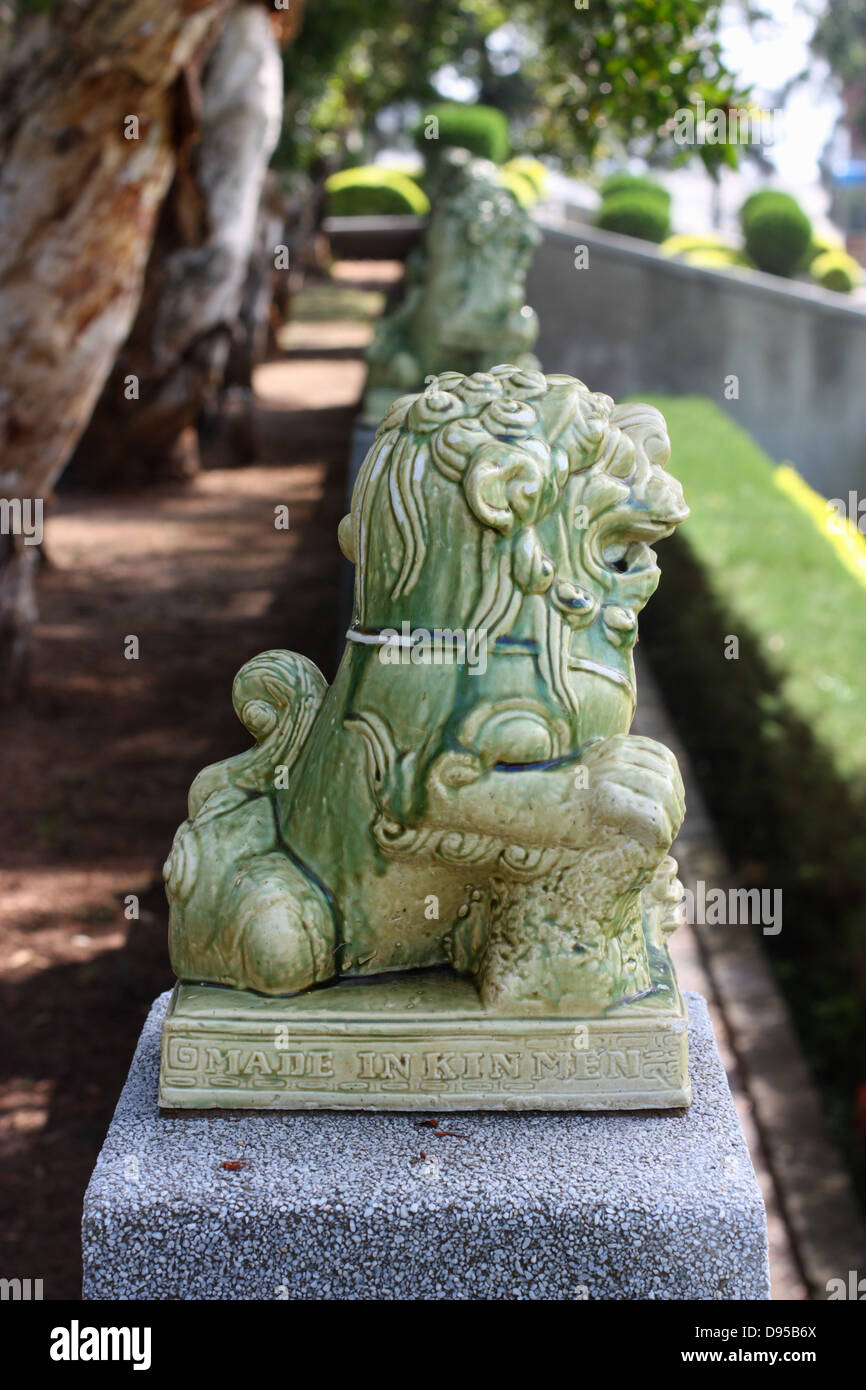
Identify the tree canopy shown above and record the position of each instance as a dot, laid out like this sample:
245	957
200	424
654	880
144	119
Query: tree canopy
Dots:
573	81
840	38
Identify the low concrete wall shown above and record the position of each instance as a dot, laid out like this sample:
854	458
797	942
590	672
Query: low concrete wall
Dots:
373	238
635	322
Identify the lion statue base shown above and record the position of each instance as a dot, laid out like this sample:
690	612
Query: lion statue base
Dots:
445	879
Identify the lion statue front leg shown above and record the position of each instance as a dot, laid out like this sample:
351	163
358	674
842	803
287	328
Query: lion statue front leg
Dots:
581	843
576	940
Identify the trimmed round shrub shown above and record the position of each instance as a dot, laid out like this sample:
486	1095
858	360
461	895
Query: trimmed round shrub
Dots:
483	130
531	169
623	182
635	214
777	232
756	200
766	198
371	192
518	186
836	270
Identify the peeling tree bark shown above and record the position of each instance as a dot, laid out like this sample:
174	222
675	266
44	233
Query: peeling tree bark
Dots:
251	343
177	351
78	205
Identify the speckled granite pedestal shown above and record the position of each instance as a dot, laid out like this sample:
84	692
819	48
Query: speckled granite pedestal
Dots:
347	1205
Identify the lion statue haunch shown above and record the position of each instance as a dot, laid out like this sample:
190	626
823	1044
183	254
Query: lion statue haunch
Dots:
467	791
463	305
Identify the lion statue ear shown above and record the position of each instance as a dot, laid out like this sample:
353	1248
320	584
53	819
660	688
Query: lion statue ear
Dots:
510	486
346	539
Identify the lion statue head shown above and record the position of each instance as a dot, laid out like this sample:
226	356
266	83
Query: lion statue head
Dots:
464	303
525	506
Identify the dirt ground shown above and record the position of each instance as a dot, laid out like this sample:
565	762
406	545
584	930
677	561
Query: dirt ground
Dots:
98	760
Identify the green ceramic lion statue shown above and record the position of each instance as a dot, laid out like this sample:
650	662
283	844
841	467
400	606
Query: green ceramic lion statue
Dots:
466	793
463	306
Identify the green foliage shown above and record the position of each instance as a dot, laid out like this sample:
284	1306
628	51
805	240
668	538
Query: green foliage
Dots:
821	243
531	169
754	200
778	734
622	68
480	129
836	270
840	37
704	250
716	258
623	182
783	576
762	199
518	186
369	191
571	82
352	61
685	242
777	232
635	214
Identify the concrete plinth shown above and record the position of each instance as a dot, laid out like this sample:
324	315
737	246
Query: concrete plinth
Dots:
342	1205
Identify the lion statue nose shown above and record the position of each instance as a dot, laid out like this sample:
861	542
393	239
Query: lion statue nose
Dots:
665	501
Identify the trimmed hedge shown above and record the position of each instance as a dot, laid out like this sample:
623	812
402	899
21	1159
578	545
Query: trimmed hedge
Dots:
635	214
717	258
776	231
710	251
518	186
483	130
778	736
624	182
684	242
822	243
531	169
836	270
371	191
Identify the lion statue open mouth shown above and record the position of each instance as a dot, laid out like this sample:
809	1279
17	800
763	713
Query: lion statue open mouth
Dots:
432	807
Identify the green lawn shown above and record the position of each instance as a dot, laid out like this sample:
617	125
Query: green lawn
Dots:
778	735
775	574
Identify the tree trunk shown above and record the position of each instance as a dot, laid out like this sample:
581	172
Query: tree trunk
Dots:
87	108
173	362
253	339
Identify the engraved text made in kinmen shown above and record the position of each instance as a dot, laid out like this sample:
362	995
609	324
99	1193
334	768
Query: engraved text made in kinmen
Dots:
653	1061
